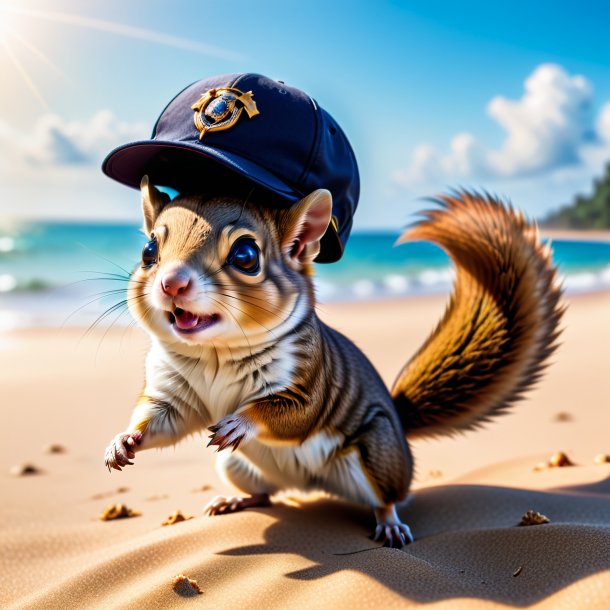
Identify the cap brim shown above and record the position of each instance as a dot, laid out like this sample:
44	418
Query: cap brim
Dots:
128	163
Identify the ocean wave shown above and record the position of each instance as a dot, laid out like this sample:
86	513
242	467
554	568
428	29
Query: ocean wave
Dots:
396	284
587	281
78	304
9	283
391	284
336	287
7	244
434	281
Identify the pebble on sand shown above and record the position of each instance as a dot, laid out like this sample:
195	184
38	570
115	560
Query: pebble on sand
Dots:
186	587
558	460
175	517
118	511
533	517
55	448
202	488
25	470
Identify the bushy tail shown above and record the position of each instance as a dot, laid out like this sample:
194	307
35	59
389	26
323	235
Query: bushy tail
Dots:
499	328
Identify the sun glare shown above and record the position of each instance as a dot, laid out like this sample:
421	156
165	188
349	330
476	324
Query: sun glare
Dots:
9	35
19	48
8	20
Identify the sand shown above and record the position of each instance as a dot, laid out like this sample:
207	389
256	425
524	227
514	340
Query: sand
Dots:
75	389
601	235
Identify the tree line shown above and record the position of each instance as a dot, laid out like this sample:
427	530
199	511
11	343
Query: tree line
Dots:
592	212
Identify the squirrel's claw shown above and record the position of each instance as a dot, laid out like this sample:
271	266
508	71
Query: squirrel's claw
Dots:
230	431
121	450
222	505
390	529
393	535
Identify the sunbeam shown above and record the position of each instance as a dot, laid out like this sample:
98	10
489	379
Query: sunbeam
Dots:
39	54
129	31
23	72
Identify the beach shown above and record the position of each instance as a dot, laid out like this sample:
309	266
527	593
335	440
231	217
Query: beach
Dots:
420	167
81	269
76	389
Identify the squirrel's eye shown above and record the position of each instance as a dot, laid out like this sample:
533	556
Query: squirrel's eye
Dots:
244	256
150	253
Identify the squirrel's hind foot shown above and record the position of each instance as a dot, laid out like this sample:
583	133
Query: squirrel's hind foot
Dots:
390	529
221	505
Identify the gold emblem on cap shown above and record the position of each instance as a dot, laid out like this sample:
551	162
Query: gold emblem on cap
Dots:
219	109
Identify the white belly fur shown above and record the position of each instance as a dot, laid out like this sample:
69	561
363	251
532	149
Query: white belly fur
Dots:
315	464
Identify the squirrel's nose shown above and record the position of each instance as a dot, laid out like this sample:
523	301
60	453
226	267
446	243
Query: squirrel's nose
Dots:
175	282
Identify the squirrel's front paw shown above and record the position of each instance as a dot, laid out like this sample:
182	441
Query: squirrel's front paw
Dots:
122	449
231	431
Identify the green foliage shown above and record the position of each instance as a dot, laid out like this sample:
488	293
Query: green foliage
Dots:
591	212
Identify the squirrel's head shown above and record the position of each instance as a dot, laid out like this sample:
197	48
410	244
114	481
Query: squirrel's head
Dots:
225	271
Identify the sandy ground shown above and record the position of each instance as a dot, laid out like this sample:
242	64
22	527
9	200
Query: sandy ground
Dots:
77	390
576	234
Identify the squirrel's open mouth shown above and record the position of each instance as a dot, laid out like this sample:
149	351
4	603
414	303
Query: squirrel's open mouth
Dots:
187	322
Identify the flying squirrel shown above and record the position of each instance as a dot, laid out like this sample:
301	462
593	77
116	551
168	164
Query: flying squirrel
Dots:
225	292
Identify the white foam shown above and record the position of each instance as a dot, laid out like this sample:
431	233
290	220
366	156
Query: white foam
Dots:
7	244
585	281
434	277
604	276
325	290
580	281
396	284
12	320
7	282
363	288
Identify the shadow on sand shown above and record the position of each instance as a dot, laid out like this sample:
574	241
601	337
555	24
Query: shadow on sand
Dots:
467	543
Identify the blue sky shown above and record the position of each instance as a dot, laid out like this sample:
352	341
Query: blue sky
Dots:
514	98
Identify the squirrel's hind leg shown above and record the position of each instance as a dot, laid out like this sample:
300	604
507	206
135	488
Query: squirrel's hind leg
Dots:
390	468
240	472
376	469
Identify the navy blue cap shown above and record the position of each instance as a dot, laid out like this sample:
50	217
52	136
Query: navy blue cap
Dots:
231	132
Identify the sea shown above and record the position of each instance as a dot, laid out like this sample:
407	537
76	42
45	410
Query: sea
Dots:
74	274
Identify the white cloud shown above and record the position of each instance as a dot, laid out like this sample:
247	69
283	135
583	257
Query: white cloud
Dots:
53	169
54	142
603	123
546	127
550	128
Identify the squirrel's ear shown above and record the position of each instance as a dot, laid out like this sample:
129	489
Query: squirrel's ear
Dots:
303	225
153	201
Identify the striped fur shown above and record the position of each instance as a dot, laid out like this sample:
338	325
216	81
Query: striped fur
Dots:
298	403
